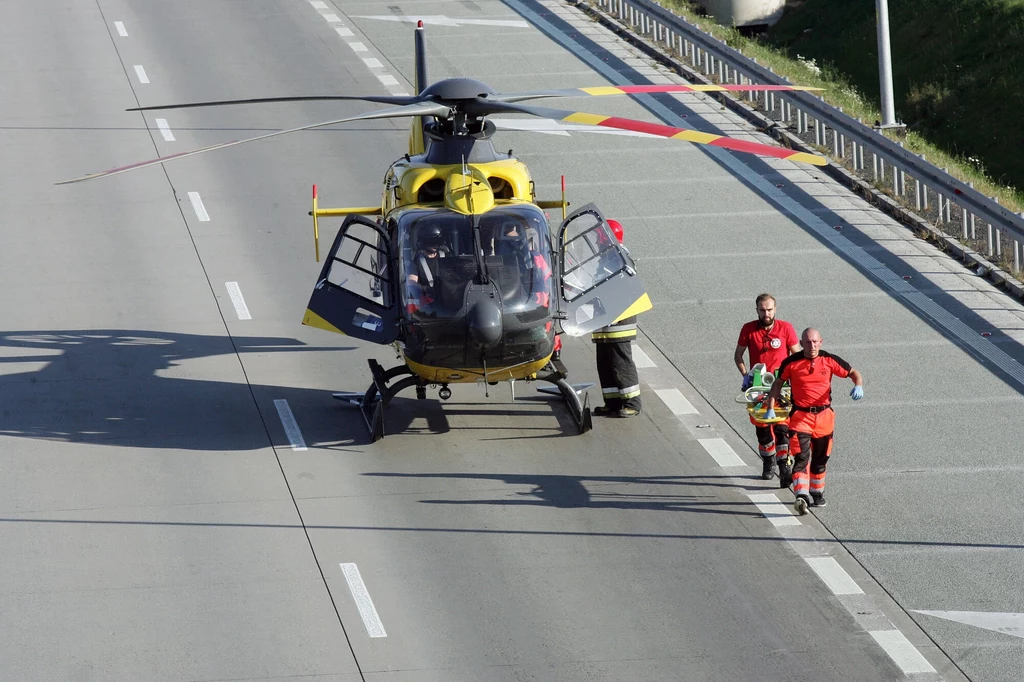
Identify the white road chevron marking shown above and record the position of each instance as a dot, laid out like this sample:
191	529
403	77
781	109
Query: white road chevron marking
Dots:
1007	623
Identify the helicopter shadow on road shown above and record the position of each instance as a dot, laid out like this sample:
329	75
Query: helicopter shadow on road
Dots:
642	493
564	32
406	416
108	387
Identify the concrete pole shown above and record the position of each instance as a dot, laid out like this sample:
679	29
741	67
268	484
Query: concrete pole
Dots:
885	64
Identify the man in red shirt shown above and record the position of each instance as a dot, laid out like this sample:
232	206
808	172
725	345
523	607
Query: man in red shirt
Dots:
768	341
812	421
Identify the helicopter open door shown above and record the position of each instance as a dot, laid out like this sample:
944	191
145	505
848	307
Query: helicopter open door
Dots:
599	282
355	293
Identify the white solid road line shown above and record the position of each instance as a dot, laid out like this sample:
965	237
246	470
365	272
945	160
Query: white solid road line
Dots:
676	401
833	575
640	358
141	73
119	25
235	292
901	651
291	427
774	509
721	452
197	206
165	129
364	603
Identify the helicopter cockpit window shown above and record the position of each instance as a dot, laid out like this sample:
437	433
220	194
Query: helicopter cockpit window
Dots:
360	265
591	256
438	260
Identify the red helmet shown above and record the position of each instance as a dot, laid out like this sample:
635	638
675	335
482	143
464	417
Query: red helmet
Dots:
616	229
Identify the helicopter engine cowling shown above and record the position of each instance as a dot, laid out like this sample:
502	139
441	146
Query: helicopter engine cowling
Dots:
485	324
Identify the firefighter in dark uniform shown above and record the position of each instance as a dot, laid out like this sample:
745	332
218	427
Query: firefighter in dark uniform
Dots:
620	382
811	421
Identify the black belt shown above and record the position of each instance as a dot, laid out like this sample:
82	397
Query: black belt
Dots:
813	410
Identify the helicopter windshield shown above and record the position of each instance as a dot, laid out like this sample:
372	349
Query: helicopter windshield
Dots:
439	259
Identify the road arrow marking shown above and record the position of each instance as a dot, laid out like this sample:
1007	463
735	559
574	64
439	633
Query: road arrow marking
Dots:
1006	623
441	20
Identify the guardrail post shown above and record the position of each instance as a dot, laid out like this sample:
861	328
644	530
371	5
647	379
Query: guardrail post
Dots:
917	194
993	236
1017	248
924	198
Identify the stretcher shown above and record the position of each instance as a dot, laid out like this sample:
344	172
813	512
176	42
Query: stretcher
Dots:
755	397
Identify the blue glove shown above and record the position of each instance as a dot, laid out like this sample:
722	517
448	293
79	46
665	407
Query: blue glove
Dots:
857	393
770	414
748	381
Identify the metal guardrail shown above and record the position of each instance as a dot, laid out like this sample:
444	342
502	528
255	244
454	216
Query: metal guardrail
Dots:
832	129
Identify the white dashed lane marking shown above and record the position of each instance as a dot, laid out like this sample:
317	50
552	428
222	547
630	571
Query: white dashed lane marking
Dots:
318	5
640	358
344	32
197	206
773	509
902	652
833	575
120	29
235	293
291	427
358	47
332	18
372	62
721	452
165	129
141	73
675	401
364	603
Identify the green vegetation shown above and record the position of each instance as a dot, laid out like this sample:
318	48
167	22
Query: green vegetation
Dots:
958	69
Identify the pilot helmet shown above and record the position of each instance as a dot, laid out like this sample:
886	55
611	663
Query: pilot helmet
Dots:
429	235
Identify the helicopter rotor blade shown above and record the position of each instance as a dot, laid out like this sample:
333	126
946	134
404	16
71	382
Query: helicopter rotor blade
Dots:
644	90
397	101
421	109
486	107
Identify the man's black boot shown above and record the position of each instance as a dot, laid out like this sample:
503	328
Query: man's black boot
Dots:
768	467
785	472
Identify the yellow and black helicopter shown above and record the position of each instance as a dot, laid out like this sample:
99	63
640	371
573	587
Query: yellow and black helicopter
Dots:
457	267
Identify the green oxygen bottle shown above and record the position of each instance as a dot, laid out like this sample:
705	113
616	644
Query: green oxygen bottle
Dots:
758	368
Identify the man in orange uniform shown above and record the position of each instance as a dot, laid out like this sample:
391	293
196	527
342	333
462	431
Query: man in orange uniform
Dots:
812	421
769	341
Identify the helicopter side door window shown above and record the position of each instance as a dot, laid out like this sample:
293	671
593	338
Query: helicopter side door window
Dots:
355	293
598	282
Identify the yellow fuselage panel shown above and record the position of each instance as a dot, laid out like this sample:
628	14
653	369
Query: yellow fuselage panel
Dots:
406	179
311	319
449	375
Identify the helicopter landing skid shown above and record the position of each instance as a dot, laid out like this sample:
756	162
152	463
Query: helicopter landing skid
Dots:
371	404
580	409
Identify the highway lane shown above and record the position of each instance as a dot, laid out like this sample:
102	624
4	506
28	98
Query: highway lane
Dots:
489	554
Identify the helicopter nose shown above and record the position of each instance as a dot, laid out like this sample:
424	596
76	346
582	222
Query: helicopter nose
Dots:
485	324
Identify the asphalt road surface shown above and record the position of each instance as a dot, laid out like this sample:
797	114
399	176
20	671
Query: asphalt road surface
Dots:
181	499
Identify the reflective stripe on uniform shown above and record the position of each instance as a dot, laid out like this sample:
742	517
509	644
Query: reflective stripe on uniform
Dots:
624	393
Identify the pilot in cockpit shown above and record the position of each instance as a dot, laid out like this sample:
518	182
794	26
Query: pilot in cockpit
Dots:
430	246
514	241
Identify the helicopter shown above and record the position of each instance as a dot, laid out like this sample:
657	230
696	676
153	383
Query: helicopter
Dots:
458	267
